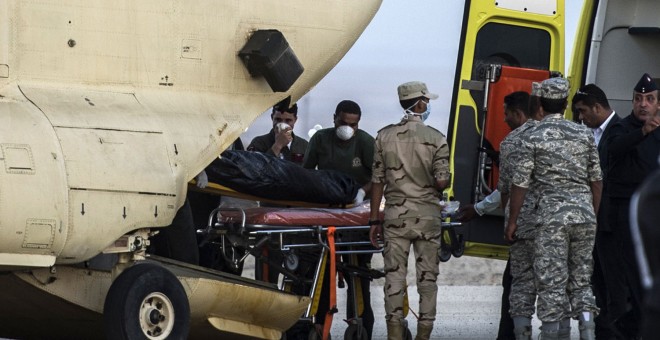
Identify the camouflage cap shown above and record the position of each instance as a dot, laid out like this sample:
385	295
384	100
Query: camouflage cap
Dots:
646	84
555	88
536	89
414	89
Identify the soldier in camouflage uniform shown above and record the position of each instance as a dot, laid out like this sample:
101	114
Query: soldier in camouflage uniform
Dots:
411	167
561	159
519	116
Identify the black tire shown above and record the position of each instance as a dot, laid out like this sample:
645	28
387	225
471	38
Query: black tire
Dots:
445	253
351	333
458	249
314	334
146	301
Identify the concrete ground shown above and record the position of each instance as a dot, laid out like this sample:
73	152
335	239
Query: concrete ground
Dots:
468	305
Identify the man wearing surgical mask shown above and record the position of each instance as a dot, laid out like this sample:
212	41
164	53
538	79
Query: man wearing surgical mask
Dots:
344	147
350	150
411	168
281	141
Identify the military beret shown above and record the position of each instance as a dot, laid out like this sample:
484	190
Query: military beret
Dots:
646	84
555	88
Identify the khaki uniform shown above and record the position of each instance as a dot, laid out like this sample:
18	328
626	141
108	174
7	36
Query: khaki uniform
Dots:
523	293
560	157
408	158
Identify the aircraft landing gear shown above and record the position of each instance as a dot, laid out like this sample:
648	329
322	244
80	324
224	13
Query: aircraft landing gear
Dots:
146	301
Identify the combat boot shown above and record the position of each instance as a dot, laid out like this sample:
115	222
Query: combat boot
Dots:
522	328
565	329
423	332
394	330
587	326
549	334
549	331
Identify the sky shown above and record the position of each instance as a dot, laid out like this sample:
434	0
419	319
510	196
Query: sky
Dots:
407	40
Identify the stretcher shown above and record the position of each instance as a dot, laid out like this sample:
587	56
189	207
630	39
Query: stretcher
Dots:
307	240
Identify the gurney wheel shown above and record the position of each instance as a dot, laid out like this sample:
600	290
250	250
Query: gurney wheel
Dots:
146	301
444	253
351	333
458	249
315	334
407	335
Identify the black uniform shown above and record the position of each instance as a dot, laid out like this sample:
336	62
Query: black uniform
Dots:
631	158
605	242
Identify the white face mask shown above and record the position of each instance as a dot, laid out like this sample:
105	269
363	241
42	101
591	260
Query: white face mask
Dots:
344	132
282	126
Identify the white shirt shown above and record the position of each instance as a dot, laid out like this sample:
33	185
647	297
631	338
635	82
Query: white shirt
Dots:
489	203
598	132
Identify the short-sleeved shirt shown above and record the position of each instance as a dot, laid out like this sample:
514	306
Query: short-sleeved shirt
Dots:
509	158
409	157
264	143
561	157
353	157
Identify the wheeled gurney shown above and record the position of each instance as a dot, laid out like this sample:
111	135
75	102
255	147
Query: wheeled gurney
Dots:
308	239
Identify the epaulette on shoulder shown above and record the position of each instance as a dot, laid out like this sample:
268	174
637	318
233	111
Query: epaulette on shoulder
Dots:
387	127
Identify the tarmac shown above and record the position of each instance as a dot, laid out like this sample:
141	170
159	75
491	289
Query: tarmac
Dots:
468	306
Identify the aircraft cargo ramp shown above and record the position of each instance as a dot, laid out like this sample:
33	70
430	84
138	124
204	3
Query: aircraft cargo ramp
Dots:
35	304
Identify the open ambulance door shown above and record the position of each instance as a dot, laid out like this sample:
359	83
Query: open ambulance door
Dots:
505	46
616	42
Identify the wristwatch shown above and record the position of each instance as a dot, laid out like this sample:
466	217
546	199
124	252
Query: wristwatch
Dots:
375	222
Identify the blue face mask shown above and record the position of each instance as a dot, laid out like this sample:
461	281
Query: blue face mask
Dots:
422	115
426	113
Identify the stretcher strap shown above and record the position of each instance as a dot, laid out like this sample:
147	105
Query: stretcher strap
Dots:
333	284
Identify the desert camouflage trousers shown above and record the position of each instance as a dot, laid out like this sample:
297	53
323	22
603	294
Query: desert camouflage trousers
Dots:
522	298
563	265
424	236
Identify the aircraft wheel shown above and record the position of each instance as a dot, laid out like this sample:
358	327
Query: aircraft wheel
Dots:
351	333
146	301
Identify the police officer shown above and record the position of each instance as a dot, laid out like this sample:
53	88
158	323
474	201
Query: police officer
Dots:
411	166
560	159
633	148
